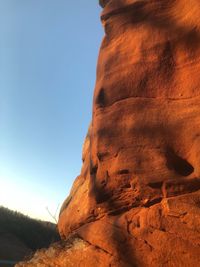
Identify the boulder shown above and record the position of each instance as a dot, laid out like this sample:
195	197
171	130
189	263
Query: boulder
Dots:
136	201
140	179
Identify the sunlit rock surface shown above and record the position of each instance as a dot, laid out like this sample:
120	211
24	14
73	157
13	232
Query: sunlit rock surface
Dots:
137	199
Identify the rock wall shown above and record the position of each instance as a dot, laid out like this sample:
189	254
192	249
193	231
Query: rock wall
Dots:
137	197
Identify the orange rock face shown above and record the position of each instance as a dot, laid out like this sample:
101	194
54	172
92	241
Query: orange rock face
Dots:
137	197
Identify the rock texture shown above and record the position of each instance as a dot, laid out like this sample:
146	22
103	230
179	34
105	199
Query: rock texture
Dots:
137	199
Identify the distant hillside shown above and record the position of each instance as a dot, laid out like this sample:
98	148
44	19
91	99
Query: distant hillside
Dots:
21	235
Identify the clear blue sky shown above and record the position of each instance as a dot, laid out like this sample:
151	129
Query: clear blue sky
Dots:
48	56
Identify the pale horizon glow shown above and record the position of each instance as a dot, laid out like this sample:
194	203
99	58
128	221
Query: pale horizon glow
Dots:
33	205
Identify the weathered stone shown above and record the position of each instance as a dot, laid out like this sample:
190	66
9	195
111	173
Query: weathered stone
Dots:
137	197
144	137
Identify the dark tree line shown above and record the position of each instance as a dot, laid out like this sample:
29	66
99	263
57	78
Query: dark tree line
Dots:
33	233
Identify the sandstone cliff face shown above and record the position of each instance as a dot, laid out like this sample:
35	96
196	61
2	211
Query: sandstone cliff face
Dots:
137	197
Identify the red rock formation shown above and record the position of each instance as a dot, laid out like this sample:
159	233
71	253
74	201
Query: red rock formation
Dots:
137	197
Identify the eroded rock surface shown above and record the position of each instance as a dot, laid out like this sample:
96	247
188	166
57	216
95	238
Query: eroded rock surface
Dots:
137	197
